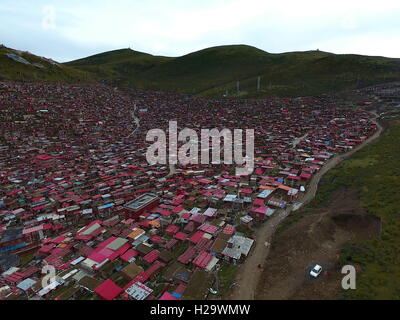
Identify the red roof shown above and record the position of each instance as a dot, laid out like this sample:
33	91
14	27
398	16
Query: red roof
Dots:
47	248
181	236
178	209
196	237
102	252
245	191
165	213
44	157
189	227
187	255
258	202
14	277
95	233
59	239
180	289
172	229
151	256
18	276
229	229
131	253
305	175
209	228
141	277
167	296
203	245
145	223
202	259
260	210
186	215
154	268
205	181
177	202
199	218
157	239
171	243
108	290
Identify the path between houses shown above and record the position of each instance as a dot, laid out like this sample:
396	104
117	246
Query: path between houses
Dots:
248	273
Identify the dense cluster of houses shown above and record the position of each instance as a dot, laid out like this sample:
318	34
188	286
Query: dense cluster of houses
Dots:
77	192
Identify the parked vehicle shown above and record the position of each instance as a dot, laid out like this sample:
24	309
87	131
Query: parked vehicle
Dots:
315	272
213	291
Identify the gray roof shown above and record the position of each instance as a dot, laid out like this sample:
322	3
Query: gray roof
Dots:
26	284
139	291
141	201
10	235
241	245
89	230
117	243
8	260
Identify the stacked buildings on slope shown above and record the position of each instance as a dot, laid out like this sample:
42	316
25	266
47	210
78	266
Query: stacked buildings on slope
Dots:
78	194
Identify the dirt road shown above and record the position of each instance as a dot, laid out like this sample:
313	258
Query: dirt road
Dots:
248	274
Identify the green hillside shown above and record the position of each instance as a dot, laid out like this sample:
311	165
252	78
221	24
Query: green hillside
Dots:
34	68
213	71
374	173
122	65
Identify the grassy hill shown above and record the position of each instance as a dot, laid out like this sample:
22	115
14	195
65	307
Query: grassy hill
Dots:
213	71
122	65
374	173
33	68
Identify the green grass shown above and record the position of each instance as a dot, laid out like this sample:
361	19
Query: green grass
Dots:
59	291
26	258
226	277
246	231
158	289
12	70
292	219
378	185
119	279
85	296
213	71
180	249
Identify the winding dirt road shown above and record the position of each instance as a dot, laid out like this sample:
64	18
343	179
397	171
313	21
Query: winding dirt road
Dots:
248	274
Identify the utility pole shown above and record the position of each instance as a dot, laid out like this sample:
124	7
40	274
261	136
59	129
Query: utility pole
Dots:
258	83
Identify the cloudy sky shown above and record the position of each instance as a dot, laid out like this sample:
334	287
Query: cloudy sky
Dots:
70	29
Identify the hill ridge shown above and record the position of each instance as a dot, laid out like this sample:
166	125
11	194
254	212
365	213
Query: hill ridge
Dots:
215	71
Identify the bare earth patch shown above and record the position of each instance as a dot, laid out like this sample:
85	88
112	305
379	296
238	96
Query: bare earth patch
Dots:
317	238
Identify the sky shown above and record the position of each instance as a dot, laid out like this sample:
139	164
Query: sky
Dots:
71	29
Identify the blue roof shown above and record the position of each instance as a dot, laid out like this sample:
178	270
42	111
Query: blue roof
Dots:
11	248
107	205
